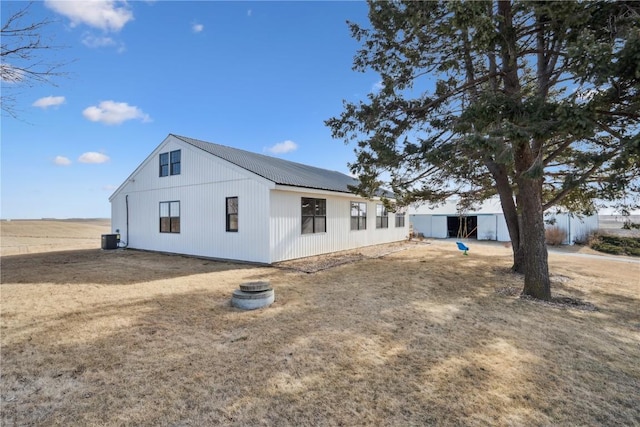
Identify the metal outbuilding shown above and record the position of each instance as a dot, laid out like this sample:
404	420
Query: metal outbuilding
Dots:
486	222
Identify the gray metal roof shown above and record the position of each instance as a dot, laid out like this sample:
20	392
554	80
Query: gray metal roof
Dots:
279	171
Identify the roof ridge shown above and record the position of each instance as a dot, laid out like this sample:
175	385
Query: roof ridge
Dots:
253	153
278	170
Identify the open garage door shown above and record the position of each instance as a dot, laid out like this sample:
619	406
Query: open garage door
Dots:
462	227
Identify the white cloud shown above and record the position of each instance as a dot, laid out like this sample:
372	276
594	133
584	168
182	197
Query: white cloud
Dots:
93	157
114	113
49	101
377	86
283	147
62	161
249	12
197	28
107	15
109	187
92	41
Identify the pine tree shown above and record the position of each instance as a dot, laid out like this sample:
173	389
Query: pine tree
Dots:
536	102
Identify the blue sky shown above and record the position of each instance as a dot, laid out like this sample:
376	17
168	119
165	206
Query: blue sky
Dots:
260	76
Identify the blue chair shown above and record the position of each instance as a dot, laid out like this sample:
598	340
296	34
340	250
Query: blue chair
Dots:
463	247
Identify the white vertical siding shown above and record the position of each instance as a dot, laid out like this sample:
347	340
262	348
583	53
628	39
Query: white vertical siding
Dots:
582	228
576	229
450	207
487	227
421	224
201	188
288	242
269	220
493	227
502	229
439	226
119	218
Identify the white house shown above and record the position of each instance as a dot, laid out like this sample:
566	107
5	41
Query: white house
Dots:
197	198
486	222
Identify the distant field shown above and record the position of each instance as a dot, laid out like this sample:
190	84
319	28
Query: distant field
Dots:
35	236
612	224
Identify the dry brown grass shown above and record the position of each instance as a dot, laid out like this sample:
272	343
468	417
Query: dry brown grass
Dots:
418	337
30	236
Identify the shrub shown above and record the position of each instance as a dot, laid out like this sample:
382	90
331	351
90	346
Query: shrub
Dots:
629	225
554	236
616	245
633	251
607	248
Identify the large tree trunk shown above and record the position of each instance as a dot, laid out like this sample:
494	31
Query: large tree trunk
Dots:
508	48
510	211
515	233
536	279
518	259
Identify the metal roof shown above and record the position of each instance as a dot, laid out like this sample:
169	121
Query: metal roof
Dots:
279	171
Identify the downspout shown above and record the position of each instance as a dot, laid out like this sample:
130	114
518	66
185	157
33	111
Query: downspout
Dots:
126	201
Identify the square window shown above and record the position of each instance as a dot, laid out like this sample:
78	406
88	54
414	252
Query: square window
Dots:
314	215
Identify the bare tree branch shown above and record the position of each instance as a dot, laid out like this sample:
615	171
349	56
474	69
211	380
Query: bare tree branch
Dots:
25	59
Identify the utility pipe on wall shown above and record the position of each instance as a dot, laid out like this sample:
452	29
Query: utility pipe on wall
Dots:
126	202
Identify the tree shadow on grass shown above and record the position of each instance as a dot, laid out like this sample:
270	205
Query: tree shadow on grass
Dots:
95	266
394	341
335	352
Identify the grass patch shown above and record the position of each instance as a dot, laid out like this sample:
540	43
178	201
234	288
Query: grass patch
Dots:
422	336
617	245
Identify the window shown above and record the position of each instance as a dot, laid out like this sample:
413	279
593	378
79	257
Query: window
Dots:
382	217
164	164
232	214
358	216
170	163
314	215
399	219
169	217
175	162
